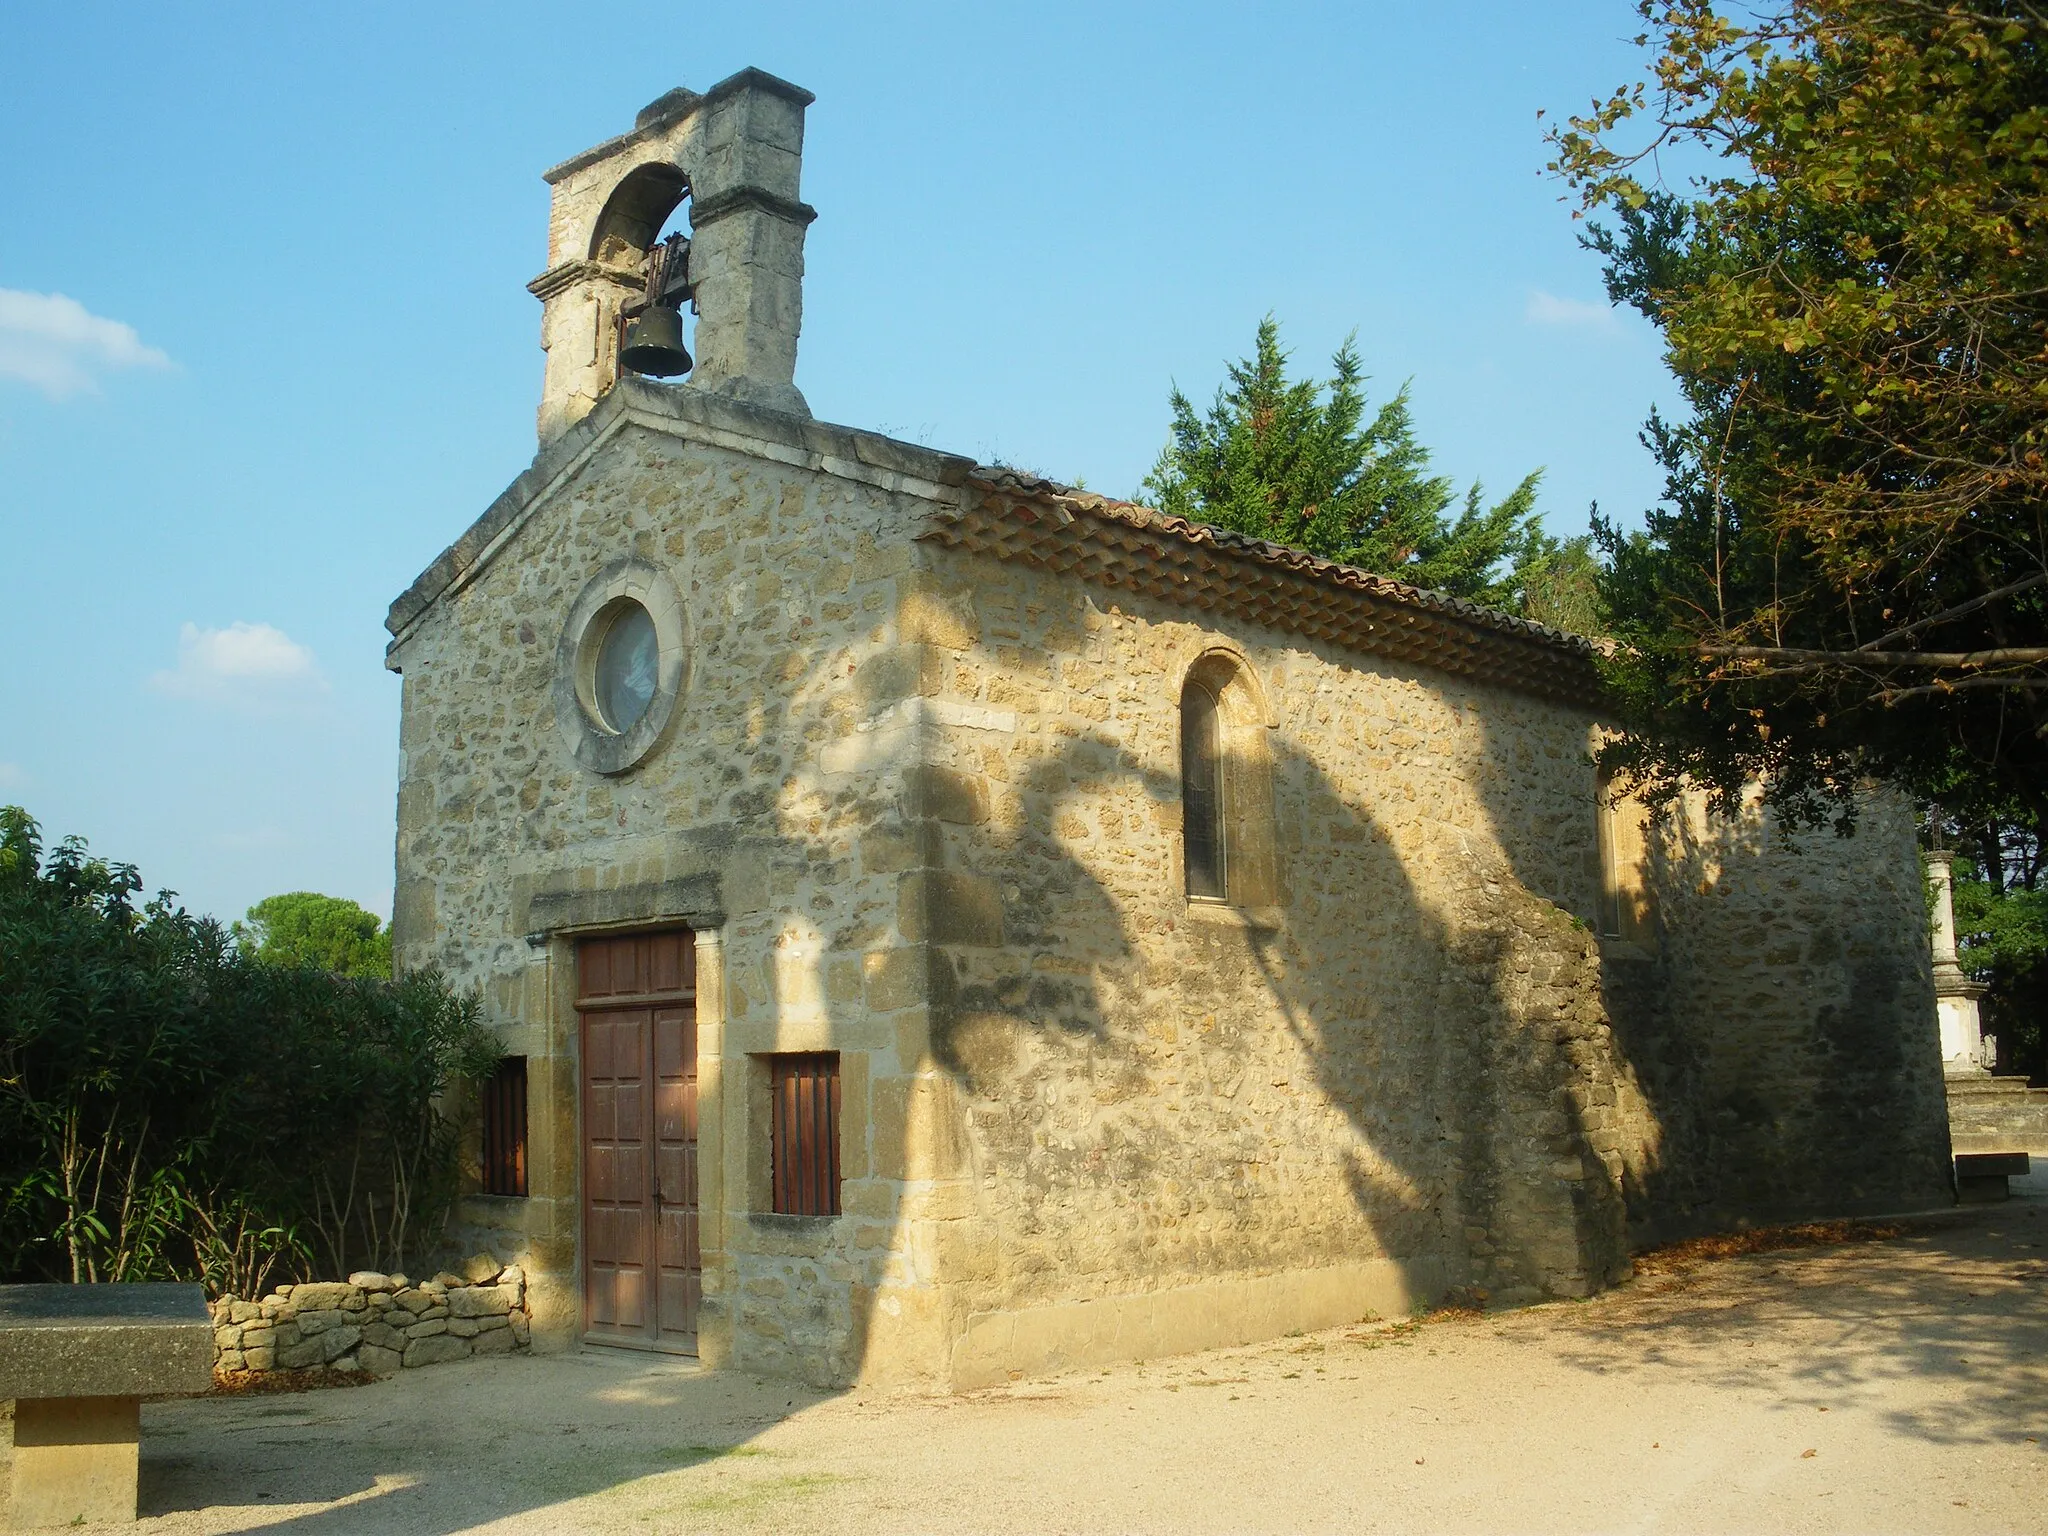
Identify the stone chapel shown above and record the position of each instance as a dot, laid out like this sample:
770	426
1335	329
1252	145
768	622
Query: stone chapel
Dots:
945	925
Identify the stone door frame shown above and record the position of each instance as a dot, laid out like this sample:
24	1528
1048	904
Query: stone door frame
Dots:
555	920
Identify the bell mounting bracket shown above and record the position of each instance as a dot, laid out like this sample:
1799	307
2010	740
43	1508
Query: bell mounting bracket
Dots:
668	279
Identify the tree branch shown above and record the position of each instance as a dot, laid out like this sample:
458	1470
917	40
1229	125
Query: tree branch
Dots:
1891	696
2008	656
1959	610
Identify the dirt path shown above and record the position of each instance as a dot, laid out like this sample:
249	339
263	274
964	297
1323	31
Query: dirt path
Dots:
1891	1386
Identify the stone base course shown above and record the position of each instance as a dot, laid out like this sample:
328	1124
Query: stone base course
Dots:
374	1323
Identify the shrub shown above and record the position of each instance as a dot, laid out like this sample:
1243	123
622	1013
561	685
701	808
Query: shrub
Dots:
173	1107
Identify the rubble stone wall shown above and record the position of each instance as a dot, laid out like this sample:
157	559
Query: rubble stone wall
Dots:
374	1323
1405	1052
1783	1024
1998	1114
1392	1059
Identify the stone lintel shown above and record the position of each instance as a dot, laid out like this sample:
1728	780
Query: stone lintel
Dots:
690	899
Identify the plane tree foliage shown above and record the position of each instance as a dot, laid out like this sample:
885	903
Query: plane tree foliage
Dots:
1834	212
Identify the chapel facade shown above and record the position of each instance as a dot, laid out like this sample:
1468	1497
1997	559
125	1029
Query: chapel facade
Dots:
945	925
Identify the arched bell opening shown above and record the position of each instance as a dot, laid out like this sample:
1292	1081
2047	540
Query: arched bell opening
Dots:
643	228
638	211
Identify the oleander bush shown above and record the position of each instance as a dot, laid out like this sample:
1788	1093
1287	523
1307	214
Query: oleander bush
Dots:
172	1106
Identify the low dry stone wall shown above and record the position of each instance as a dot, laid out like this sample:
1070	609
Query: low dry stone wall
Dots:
375	1323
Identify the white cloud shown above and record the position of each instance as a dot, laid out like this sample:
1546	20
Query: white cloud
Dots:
1549	309
13	777
61	347
242	664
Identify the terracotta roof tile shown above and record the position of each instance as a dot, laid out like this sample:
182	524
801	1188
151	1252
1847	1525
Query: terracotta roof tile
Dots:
1019	516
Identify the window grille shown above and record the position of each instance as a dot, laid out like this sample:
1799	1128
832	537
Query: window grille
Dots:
505	1128
804	1150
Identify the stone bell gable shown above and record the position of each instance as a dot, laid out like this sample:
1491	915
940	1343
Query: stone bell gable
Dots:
943	924
735	153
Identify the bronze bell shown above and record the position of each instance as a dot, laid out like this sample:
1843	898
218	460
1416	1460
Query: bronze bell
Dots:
654	343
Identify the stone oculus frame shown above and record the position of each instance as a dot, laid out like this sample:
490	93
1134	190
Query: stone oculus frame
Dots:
594	744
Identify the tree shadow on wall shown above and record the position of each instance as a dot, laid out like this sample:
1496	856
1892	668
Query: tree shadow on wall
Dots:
1764	1029
1168	1092
1508	1107
1435	998
1419	1059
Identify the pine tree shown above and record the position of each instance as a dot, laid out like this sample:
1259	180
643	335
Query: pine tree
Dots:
1296	462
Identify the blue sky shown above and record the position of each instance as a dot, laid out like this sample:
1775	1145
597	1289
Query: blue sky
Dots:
265	344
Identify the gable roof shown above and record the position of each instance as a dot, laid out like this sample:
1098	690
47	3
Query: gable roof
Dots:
992	510
677	411
1015	516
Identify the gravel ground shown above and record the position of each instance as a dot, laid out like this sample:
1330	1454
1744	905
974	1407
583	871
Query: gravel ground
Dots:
1897	1385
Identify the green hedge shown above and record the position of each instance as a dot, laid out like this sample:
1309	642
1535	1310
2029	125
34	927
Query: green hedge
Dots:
173	1108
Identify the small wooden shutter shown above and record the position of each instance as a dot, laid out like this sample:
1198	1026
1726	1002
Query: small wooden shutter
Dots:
804	1154
505	1128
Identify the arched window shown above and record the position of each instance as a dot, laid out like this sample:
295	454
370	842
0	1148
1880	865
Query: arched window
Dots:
1202	790
1624	850
1229	847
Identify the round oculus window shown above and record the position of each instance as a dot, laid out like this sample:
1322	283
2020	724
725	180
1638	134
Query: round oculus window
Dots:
628	669
621	665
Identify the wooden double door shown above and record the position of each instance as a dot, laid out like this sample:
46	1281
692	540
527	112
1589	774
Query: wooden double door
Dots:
642	1264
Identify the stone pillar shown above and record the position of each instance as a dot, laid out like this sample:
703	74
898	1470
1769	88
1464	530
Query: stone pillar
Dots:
714	1316
554	1153
1963	1049
75	1460
747	242
578	331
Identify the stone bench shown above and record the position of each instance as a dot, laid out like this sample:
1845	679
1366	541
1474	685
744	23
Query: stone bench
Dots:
78	1360
1981	1176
